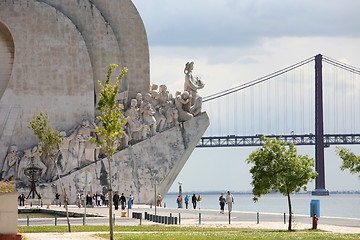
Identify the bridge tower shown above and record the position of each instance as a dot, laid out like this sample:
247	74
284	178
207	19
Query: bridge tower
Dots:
319	131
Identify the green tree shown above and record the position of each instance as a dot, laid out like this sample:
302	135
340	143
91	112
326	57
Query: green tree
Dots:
350	160
49	146
111	128
279	168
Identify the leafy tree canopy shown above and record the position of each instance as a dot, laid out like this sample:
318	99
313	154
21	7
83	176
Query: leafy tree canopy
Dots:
48	137
350	160
112	119
278	167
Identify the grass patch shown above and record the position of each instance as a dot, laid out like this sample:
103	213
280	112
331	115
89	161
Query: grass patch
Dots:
229	236
78	228
192	233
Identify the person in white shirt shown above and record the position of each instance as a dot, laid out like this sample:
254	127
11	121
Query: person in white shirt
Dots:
229	201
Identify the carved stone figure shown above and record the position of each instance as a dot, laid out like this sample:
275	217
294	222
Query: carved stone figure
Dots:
85	150
192	84
67	159
171	114
182	102
136	127
149	119
162	95
11	164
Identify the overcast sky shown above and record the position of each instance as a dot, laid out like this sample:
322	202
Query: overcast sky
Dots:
233	42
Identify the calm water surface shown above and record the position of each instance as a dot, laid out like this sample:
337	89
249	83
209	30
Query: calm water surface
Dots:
335	205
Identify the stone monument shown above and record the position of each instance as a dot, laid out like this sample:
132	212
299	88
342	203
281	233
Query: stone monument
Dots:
52	53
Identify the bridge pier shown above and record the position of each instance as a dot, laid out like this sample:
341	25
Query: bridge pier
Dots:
319	131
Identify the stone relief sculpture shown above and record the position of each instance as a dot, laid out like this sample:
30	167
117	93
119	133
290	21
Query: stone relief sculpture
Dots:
136	127
11	164
149	114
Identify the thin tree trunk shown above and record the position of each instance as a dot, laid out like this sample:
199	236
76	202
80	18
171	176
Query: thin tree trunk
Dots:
65	197
110	202
290	211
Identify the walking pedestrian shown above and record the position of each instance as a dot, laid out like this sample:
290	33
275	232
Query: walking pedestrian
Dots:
21	199
130	201
123	201
199	199
222	202
194	200
57	199
229	201
179	200
186	199
116	200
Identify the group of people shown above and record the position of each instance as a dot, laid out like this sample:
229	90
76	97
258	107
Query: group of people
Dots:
196	201
122	200
228	199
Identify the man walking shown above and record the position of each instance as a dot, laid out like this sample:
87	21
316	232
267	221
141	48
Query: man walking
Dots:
116	200
229	201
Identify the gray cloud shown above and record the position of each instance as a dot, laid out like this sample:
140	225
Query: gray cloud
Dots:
246	22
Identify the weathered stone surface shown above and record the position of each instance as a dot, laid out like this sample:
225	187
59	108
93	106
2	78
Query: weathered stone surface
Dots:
136	168
53	52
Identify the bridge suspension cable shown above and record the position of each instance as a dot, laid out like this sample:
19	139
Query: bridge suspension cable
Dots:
257	81
341	65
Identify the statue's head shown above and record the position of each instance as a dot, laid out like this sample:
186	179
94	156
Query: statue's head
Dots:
133	102
185	95
139	96
85	123
162	88
13	148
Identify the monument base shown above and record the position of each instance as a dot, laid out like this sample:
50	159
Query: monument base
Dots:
320	192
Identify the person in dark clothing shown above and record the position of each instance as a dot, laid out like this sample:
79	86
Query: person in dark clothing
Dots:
88	200
57	199
123	201
22	199
194	200
116	200
222	201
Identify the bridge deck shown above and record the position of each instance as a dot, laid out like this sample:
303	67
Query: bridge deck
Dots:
307	139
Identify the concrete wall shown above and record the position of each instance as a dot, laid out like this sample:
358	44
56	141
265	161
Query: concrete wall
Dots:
8	213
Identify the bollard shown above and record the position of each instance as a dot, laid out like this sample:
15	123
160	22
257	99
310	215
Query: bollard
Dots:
199	218
170	219
164	205
229	217
146	216
84	221
41	203
284	218
27	220
166	219
179	218
150	205
30	204
175	220
151	217
55	220
162	219
140	220
257	218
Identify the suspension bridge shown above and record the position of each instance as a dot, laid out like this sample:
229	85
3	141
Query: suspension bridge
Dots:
313	102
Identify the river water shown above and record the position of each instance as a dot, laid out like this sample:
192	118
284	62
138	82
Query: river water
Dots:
335	205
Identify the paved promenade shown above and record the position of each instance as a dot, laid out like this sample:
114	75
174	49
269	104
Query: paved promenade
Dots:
189	217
